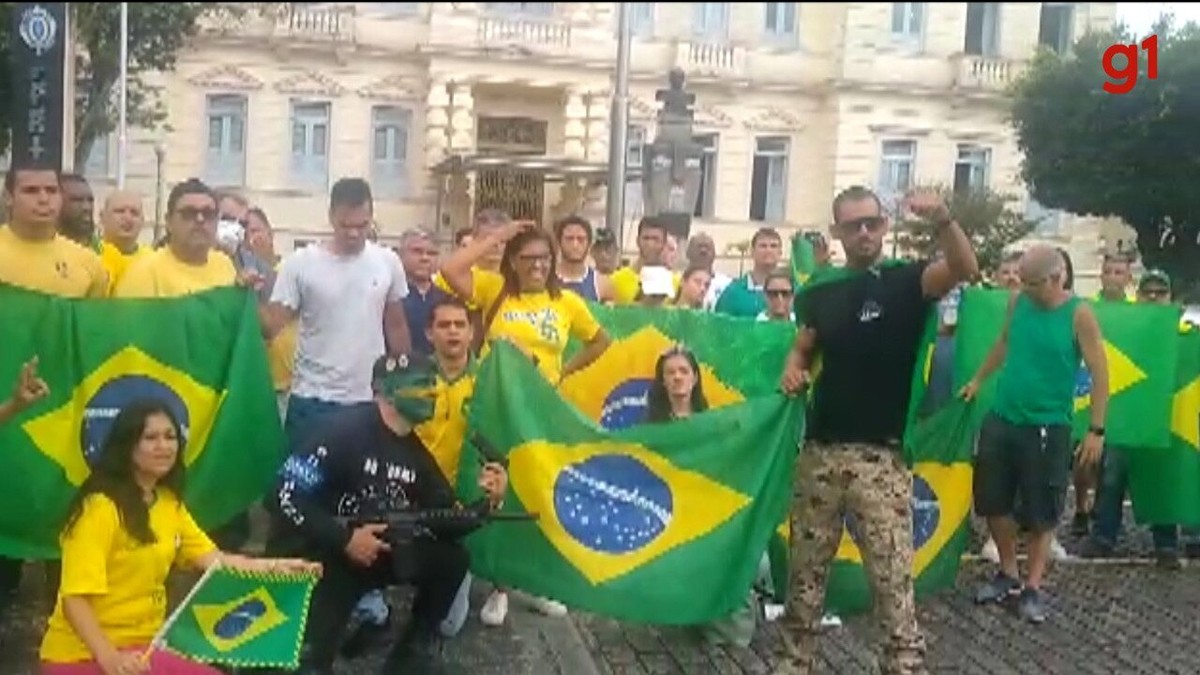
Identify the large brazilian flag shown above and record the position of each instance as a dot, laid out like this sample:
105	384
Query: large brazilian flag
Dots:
203	355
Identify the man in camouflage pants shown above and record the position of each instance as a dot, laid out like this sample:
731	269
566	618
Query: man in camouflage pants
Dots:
865	321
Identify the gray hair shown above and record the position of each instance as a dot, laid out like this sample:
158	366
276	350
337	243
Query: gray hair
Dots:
1042	261
414	234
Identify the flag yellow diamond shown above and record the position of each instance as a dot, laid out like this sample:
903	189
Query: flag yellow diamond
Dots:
1185	413
74	432
1123	373
230	625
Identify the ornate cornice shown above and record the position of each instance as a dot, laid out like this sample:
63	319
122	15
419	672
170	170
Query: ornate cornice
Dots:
393	88
774	120
226	77
309	83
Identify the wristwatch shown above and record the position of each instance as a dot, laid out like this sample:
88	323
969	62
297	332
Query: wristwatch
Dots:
1096	430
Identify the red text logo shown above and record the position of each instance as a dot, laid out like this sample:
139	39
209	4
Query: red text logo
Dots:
1121	64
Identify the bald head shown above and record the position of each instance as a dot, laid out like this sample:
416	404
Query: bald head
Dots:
1041	262
121	219
701	251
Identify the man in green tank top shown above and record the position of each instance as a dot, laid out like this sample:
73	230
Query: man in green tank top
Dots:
1025	443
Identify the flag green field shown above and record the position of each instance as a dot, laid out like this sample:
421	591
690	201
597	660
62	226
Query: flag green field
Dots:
202	354
243	619
1140	342
630	520
739	359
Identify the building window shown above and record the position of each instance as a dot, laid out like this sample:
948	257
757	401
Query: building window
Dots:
982	36
768	181
710	20
706	198
1054	28
99	162
972	169
641	19
389	150
908	21
780	26
897	164
225	156
539	9
1048	222
635	154
309	169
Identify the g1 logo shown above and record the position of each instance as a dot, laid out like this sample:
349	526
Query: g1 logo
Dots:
1123	79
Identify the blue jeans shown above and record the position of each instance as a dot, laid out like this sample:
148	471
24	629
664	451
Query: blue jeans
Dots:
303	413
373	608
1110	504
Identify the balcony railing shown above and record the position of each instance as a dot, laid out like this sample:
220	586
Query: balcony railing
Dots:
988	73
324	24
705	59
524	32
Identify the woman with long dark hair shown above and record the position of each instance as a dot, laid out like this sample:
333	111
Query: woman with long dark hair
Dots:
126	528
524	303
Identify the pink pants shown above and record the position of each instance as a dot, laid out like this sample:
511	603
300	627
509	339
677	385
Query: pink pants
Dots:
161	663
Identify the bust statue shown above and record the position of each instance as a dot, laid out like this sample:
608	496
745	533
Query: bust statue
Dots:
677	103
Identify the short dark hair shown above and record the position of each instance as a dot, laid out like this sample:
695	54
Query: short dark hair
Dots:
652	223
765	232
10	177
446	300
604	239
191	186
1068	269
1118	258
573	219
780	274
71	177
350	193
855	193
462	233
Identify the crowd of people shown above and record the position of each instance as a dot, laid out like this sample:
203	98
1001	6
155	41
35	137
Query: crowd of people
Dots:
353	328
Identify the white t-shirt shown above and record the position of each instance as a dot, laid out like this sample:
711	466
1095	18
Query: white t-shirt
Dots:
715	288
340	302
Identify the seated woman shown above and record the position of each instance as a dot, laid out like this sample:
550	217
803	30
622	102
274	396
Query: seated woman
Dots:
125	529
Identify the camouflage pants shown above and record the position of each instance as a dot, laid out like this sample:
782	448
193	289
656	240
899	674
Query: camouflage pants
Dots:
872	484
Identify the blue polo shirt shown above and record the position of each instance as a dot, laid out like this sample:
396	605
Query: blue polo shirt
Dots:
418	308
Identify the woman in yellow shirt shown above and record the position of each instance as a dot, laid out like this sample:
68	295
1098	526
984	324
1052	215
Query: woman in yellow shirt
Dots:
126	527
524	302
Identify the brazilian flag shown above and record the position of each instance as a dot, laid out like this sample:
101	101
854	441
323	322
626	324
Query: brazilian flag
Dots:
203	355
739	359
1140	341
629	521
242	619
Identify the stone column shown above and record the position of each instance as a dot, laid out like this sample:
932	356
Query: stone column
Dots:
575	127
598	110
462	142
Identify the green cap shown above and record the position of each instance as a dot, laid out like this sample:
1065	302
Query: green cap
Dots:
409	381
1155	276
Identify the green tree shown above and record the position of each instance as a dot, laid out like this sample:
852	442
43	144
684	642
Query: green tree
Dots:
157	31
989	219
1130	155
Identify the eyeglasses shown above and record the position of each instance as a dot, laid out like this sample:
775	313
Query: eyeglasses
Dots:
778	293
193	214
872	223
543	258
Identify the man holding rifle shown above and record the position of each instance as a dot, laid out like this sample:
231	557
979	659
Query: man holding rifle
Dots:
336	495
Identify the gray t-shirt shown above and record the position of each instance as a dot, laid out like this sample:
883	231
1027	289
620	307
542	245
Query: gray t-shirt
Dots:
340	301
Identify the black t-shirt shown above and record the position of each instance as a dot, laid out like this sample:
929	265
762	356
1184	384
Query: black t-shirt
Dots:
354	466
869	329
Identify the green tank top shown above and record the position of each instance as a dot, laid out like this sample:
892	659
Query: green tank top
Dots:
1036	384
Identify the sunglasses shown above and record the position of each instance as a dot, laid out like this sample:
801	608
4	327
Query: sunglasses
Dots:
778	293
872	223
192	213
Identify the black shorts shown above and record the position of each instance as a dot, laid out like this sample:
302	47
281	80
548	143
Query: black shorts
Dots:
1023	471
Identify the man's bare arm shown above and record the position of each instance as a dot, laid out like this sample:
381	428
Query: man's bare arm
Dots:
1091	344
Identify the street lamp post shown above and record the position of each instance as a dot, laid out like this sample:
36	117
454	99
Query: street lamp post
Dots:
671	170
160	154
618	139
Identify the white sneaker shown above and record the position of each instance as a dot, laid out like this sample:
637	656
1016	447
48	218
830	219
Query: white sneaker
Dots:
772	611
495	609
990	552
548	607
831	621
1057	552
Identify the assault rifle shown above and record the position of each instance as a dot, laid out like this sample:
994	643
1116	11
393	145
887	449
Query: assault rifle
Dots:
406	526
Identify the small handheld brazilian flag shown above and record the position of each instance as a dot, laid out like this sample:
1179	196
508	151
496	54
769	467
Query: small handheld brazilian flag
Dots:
242	619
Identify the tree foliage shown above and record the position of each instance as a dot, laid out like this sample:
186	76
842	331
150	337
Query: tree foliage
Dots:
157	32
988	218
1129	155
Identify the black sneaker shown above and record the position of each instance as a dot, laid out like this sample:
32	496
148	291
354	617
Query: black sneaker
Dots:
1031	606
418	651
1167	559
364	636
1096	549
999	588
1081	524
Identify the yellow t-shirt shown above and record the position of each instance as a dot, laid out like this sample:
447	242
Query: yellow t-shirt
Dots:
116	262
124	579
535	322
628	281
162	275
281	355
443	433
55	266
440	282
